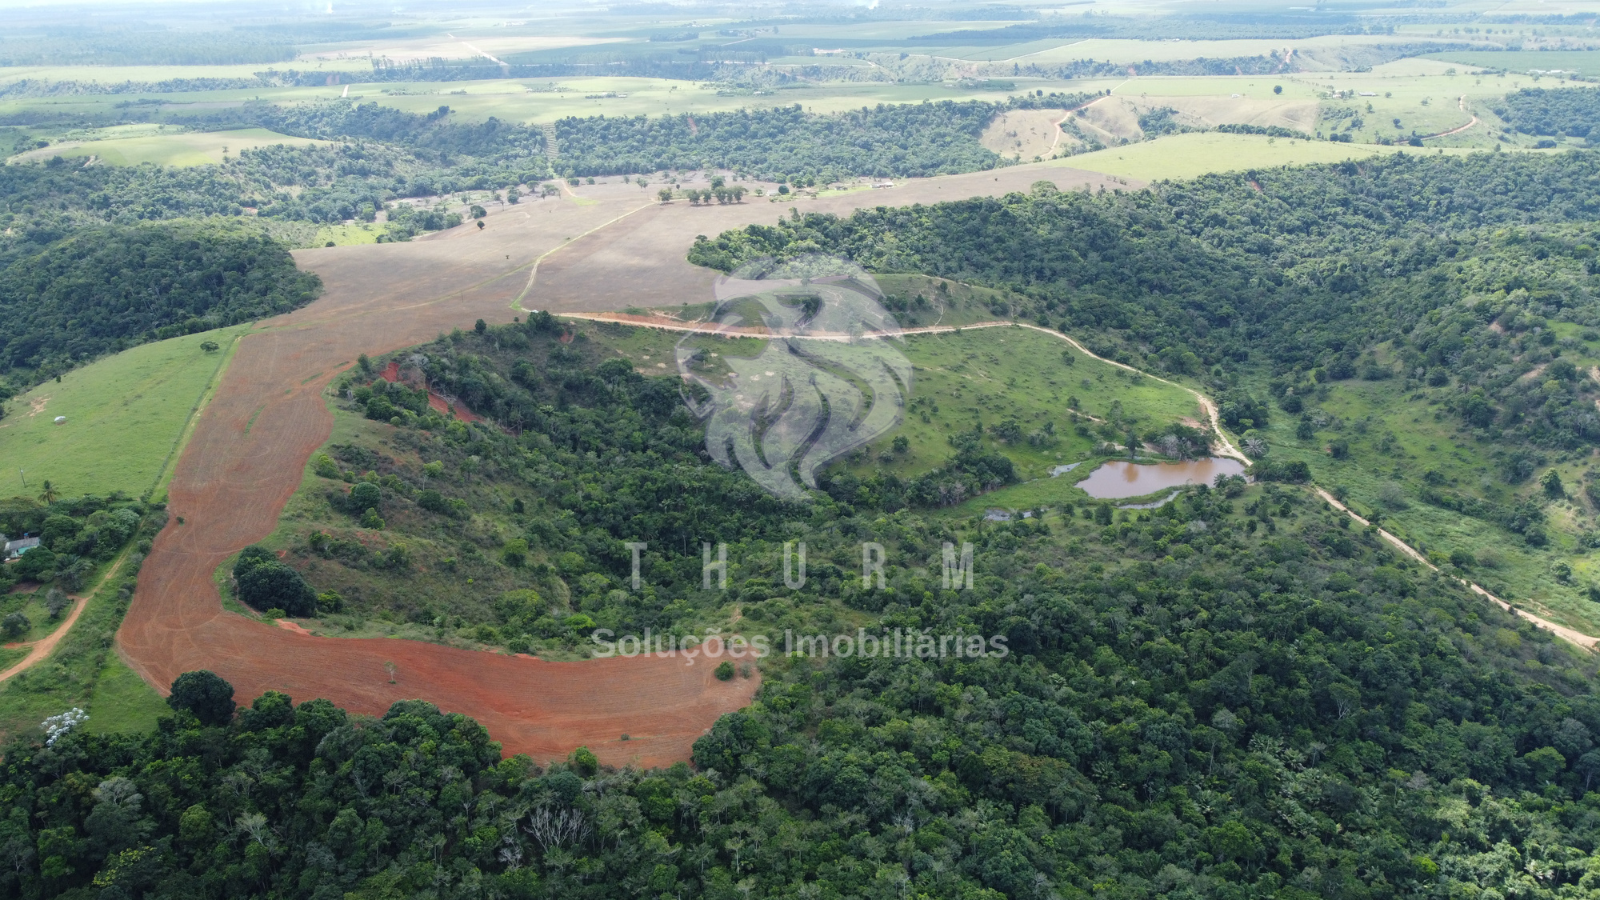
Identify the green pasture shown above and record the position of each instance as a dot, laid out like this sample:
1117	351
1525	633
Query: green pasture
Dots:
989	375
126	415
178	148
1195	154
346	235
121	703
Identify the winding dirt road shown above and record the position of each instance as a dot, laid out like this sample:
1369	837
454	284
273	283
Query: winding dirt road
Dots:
250	447
44	646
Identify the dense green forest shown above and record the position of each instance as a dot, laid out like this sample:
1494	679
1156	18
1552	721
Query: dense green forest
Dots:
1237	694
887	140
1574	112
104	289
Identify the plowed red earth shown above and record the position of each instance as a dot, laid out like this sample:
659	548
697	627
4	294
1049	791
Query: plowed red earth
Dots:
251	445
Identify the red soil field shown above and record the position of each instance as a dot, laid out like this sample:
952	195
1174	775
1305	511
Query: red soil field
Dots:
251	444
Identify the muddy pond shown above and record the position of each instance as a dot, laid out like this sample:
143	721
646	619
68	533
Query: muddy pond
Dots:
1119	478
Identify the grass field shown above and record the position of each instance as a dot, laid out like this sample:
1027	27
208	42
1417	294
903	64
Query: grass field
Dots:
192	148
1192	155
990	375
121	702
125	415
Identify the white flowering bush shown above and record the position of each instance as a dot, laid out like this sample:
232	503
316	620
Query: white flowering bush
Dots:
57	727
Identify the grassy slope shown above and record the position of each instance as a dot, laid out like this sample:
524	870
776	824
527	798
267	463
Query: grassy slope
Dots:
125	415
1426	438
989	375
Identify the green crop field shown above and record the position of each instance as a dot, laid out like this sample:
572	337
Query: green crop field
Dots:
194	148
125	416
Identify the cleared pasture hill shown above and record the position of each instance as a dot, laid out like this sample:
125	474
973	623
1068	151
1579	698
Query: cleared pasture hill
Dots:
1025	133
125	418
249	450
1039	381
195	148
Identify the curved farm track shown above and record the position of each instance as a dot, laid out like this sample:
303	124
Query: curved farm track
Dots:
250	447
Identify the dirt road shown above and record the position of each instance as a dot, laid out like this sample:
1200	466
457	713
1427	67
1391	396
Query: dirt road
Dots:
1585	641
250	447
46	645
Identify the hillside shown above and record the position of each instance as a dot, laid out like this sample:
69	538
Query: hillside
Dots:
1382	312
1236	692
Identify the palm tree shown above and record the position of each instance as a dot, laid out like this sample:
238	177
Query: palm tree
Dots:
48	495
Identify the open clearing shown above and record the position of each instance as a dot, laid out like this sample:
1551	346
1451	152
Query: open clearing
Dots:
125	415
1583	62
195	148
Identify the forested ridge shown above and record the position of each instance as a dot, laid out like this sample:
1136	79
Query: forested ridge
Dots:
1541	111
108	288
1240	694
1303	269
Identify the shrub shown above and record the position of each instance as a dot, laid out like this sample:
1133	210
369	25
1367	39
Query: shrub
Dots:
269	584
15	626
724	671
205	694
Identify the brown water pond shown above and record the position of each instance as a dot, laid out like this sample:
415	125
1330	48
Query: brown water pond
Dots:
1117	479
